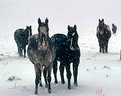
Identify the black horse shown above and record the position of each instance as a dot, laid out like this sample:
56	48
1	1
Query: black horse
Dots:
103	35
41	53
67	52
21	37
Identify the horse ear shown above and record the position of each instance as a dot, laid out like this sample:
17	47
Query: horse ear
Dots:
26	27
103	20
68	27
30	26
39	20
99	20
75	27
46	20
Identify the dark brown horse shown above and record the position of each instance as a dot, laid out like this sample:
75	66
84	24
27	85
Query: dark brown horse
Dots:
41	53
103	35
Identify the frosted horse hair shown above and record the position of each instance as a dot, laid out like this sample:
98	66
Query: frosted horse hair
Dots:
41	53
103	35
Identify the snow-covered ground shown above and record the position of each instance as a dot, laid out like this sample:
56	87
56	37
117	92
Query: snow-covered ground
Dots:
99	74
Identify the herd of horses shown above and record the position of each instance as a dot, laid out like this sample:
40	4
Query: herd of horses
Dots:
44	51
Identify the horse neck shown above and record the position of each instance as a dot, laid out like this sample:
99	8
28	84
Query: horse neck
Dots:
74	44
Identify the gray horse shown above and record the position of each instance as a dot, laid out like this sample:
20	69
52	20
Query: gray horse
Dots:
42	54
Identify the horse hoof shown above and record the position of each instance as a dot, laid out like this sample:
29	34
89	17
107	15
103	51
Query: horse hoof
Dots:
46	86
41	85
69	87
36	92
75	84
56	82
20	55
49	91
63	82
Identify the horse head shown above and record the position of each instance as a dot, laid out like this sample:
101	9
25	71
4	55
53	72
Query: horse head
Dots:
73	37
28	31
43	34
101	25
27	34
102	28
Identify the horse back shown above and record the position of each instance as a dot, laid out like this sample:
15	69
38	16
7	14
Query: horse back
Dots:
58	40
18	33
63	52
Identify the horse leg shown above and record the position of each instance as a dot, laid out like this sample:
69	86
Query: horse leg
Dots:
45	76
55	68
20	51
62	73
107	46
49	78
19	47
75	71
107	49
68	75
40	81
36	83
24	51
100	49
103	48
37	78
99	45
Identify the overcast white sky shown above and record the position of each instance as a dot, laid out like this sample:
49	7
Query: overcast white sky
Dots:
19	13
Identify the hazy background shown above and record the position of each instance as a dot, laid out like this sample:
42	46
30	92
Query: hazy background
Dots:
16	14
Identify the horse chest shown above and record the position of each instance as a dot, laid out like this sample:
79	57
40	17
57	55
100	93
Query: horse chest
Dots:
44	56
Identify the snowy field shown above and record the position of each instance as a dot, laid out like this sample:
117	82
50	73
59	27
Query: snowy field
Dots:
99	74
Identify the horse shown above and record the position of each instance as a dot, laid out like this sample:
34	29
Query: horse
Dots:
41	53
114	28
21	37
103	35
67	52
